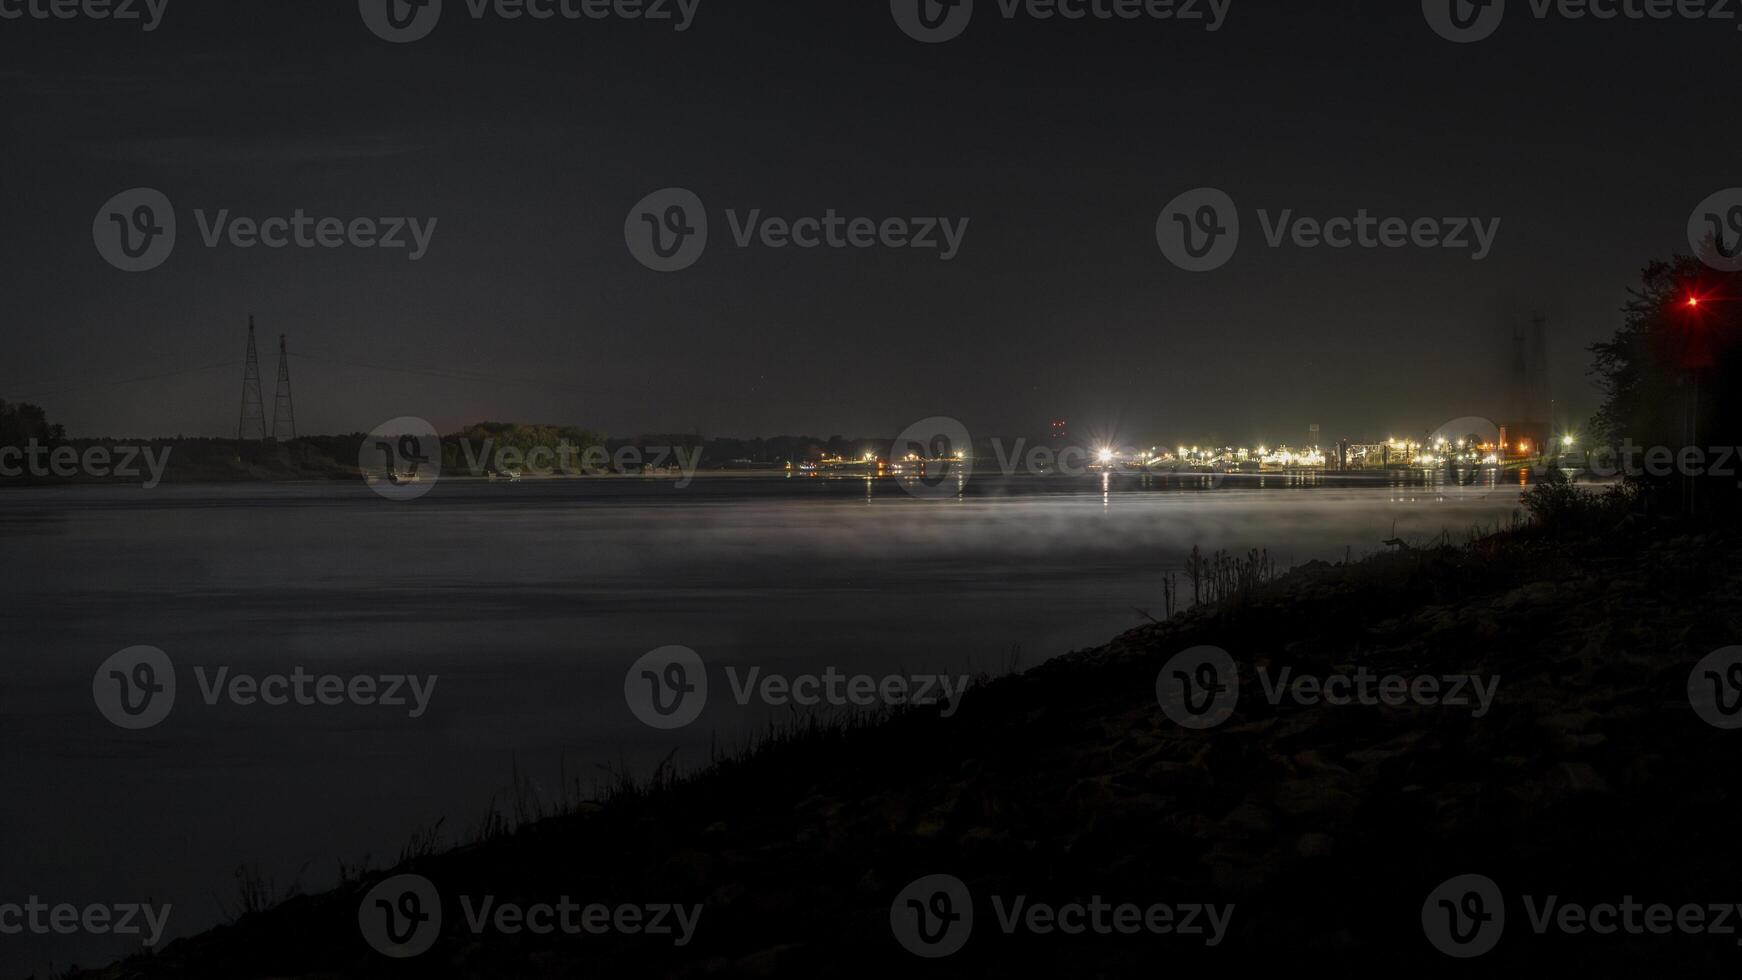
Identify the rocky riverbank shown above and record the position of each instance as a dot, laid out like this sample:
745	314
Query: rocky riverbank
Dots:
1589	777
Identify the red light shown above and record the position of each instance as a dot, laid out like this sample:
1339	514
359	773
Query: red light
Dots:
1693	301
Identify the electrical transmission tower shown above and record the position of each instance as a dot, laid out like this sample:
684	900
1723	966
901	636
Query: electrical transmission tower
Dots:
283	411
253	422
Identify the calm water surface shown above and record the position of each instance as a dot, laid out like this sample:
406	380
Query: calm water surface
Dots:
529	601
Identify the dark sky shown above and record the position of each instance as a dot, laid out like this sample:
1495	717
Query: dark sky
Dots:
530	141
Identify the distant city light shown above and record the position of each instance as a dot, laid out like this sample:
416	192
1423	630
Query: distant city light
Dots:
1436	451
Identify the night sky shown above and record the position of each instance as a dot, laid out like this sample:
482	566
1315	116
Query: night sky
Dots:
530	141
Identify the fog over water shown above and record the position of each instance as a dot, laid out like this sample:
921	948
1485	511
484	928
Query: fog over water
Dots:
529	601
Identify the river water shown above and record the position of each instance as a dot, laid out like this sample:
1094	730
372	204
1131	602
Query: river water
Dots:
529	601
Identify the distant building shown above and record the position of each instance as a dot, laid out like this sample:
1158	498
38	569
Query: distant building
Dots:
1526	431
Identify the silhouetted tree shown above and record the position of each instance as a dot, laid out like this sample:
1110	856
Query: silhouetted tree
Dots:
1670	376
22	422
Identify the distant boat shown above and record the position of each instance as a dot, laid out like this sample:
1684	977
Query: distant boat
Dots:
394	477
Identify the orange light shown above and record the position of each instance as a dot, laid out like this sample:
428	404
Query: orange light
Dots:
1693	301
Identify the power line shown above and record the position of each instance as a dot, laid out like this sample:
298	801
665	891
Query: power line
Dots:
449	374
446	374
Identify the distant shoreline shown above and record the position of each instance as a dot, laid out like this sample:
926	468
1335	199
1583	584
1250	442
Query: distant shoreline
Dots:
245	477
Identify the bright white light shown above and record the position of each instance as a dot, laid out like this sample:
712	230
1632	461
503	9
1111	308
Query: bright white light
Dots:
1105	456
